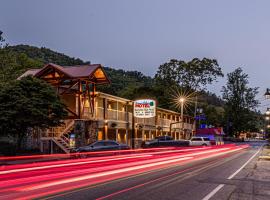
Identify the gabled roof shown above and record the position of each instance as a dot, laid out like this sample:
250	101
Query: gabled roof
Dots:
81	71
94	73
30	72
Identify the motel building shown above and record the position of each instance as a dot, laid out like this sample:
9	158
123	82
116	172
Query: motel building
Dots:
93	115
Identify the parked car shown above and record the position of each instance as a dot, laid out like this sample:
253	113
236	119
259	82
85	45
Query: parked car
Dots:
163	141
199	141
103	145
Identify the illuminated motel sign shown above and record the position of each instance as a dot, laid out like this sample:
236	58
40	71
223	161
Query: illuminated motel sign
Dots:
144	108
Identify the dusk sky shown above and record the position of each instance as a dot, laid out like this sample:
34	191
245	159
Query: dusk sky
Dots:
142	34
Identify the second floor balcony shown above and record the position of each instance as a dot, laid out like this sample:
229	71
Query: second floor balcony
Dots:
117	115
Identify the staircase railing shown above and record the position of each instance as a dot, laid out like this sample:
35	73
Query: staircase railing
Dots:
56	141
56	134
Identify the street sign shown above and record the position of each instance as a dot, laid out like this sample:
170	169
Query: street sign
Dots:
200	117
144	108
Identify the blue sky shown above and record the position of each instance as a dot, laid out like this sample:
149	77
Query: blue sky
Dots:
142	34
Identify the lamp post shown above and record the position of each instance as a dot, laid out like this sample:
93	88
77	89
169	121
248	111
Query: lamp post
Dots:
267	111
182	100
267	93
267	118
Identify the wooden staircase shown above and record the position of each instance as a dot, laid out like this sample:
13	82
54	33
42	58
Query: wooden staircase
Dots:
56	135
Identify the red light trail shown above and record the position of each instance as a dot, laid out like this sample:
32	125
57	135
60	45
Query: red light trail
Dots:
24	181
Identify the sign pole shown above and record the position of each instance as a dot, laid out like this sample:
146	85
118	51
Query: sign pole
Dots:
133	128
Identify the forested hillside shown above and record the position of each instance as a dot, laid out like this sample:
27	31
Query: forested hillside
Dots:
45	55
23	57
14	60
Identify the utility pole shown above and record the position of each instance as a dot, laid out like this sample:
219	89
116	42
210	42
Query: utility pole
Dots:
133	128
195	112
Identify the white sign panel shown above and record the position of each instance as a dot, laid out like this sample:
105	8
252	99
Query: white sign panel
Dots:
144	108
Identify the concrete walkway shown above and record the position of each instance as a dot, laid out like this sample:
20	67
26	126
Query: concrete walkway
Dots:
254	180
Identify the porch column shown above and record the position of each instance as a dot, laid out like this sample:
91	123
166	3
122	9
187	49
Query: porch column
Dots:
127	136
79	98
105	136
116	135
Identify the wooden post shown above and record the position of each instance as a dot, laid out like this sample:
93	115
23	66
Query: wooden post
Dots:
93	98
79	98
133	128
105	117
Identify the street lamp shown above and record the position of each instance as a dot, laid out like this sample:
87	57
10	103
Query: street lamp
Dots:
267	93
182	100
267	118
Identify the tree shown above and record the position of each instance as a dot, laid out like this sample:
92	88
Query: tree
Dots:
26	104
13	64
2	40
194	75
240	102
214	115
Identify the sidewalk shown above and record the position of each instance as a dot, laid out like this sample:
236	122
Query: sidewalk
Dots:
254	181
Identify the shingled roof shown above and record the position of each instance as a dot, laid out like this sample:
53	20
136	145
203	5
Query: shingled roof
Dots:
94	72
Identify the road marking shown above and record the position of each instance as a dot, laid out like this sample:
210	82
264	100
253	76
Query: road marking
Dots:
213	192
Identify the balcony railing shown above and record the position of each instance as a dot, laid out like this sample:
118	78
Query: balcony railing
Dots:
127	117
112	114
99	113
118	115
179	126
146	121
164	122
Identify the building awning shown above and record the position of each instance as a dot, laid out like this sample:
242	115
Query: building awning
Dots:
210	131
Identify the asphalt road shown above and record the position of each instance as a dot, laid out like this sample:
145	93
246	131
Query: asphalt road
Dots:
207	178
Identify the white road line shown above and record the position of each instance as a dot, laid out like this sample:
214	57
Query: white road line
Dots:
213	192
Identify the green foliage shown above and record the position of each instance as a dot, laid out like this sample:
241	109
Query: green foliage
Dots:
240	102
190	77
2	40
214	115
45	55
124	83
12	65
28	103
195	74
15	60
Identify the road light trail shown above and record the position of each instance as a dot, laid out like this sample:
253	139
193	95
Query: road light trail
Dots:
43	180
31	167
92	170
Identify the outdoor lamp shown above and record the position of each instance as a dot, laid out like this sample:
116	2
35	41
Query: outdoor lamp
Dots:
267	93
181	100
